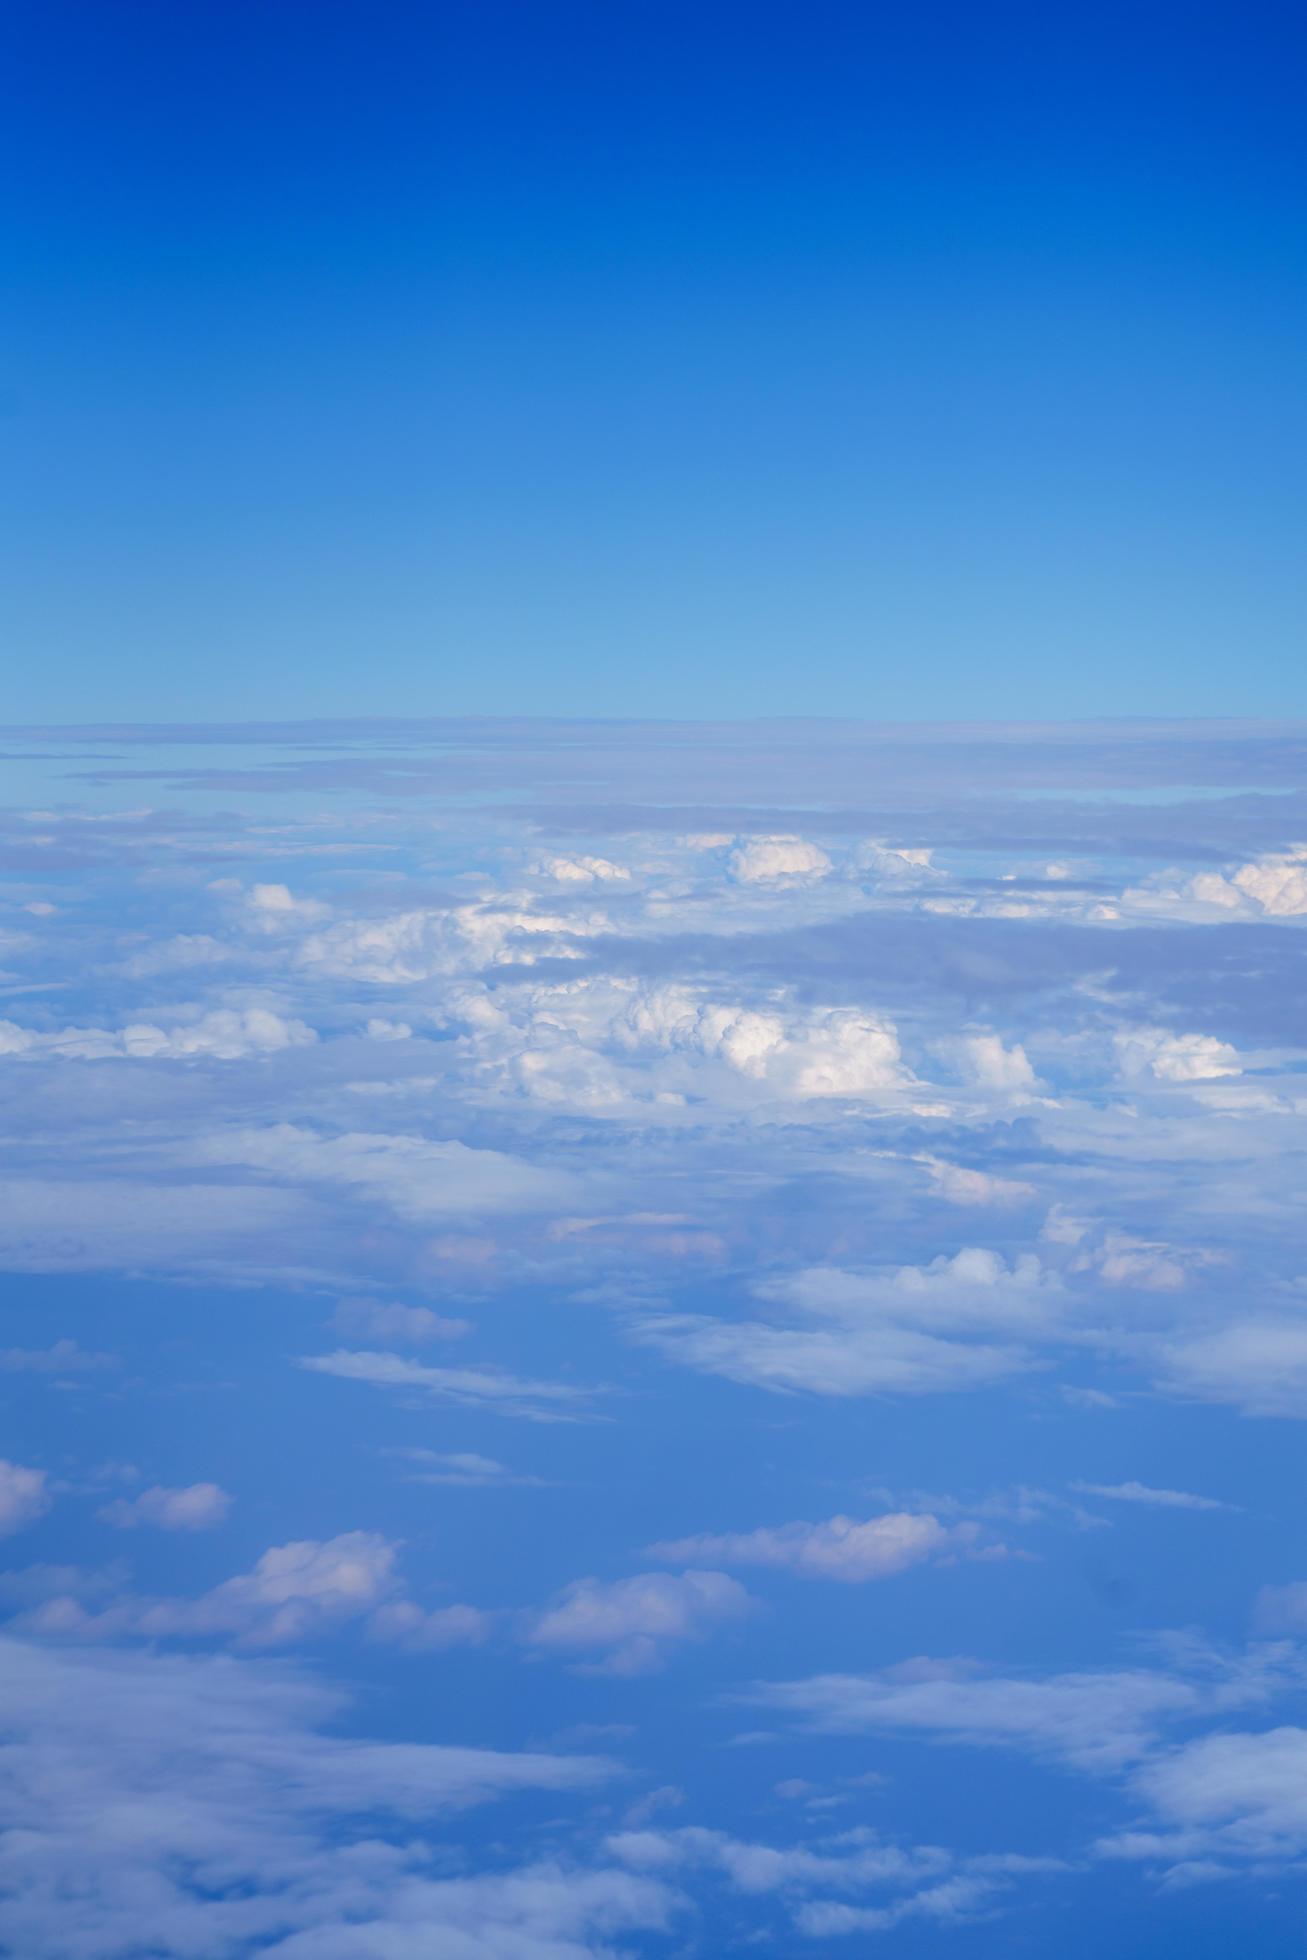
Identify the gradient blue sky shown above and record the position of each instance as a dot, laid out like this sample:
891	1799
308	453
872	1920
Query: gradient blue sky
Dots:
653	360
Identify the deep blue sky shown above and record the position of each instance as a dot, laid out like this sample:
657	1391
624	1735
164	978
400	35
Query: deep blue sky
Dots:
653	360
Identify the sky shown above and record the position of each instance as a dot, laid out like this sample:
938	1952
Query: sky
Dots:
652	360
653	1092
653	1340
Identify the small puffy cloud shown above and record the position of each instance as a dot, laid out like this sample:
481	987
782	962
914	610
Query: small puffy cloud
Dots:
1272	886
628	1625
402	1623
778	860
985	1062
894	864
223	1034
848	1549
386	1320
23	1495
293	1592
1166	1500
380	1029
192	1507
1175	1057
274	908
1276	883
581	870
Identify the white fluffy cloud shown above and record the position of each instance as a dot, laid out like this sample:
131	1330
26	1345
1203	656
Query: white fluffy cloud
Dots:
292	1592
778	860
224	1034
984	1061
848	1549
581	870
1175	1057
191	1507
628	1625
401	949
608	1045
1272	886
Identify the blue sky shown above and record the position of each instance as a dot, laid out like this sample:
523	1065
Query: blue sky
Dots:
653	1340
653	864
654	361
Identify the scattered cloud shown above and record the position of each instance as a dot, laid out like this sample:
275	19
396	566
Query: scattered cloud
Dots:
192	1507
628	1626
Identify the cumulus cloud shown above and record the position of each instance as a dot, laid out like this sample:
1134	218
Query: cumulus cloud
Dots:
628	1625
849	1549
1175	1057
1271	886
292	1592
984	1061
190	1507
428	942
778	860
581	870
224	1034
608	1045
